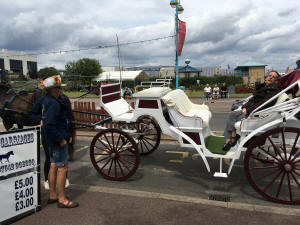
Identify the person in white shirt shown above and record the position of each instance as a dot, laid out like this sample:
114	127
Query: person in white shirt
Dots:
216	91
207	91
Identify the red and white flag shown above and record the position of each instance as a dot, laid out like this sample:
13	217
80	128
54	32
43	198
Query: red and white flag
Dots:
181	35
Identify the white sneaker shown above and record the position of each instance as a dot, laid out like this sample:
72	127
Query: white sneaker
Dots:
67	183
46	185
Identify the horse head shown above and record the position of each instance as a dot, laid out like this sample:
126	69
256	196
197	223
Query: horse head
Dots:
96	90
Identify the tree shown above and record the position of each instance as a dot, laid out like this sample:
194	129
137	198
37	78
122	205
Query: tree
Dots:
47	72
86	68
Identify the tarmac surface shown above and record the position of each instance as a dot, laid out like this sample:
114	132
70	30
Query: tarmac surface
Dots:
171	186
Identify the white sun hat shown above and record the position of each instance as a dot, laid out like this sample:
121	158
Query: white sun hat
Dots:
54	81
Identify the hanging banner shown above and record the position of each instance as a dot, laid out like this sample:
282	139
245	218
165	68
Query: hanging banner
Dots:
181	35
19	174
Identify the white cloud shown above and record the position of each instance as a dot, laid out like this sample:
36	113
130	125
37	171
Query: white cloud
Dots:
218	32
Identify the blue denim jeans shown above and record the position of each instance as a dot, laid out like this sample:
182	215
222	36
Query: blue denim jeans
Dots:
59	155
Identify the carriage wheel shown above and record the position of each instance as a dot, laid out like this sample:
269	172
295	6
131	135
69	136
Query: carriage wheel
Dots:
272	165
114	154
149	141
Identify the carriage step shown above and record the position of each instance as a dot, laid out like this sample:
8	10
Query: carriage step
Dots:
217	174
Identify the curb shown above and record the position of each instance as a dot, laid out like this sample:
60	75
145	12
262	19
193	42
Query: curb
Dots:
180	198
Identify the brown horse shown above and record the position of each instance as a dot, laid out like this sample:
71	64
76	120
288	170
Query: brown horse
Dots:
14	107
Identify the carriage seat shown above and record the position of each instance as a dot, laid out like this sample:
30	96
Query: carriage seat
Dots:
114	104
179	100
252	124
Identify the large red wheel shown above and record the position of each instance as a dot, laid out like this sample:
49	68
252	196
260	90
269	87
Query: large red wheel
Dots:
114	154
149	137
272	165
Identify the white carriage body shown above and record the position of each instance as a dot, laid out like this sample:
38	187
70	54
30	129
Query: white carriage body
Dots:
189	122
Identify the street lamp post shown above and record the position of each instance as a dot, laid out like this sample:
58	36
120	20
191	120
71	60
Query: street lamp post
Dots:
179	9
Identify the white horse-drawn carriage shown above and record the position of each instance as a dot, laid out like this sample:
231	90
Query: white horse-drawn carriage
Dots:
270	138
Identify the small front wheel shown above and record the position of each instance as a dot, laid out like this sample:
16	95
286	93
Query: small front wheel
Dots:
114	154
149	137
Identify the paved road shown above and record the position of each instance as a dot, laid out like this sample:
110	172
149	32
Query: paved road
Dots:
172	170
171	186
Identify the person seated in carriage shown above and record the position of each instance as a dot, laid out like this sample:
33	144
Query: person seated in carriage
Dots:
261	94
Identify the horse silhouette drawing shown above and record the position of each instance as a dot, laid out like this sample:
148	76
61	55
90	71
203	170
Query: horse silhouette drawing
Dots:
6	156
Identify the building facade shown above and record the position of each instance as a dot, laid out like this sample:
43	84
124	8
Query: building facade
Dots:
18	62
252	72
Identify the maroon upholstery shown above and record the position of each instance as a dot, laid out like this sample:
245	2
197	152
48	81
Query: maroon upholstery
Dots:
289	79
111	89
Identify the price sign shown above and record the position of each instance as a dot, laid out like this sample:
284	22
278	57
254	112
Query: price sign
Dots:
19	175
18	195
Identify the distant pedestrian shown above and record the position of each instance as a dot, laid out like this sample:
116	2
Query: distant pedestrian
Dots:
207	91
224	91
79	87
216	92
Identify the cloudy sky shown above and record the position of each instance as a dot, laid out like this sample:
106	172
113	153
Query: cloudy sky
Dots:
218	32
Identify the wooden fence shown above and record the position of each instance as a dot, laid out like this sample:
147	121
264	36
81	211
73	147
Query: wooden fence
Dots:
93	113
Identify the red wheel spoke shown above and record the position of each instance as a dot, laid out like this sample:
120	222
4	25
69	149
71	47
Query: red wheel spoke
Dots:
263	160
272	181
111	147
141	146
295	179
290	188
110	166
121	168
107	147
295	157
102	159
113	140
125	142
118	141
105	164
275	148
263	167
268	153
296	173
101	154
283	143
294	145
126	149
265	175
279	187
149	143
116	174
145	145
124	165
102	149
132	163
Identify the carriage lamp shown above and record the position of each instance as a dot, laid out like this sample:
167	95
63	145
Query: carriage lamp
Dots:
180	9
174	3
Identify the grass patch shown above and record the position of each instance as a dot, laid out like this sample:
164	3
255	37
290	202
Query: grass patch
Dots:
199	94
215	144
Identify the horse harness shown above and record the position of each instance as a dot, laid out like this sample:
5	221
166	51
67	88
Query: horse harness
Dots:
6	107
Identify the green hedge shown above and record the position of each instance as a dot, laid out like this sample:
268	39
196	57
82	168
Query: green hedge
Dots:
191	83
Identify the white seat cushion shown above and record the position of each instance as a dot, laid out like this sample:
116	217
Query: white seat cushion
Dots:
205	115
282	98
117	107
179	100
